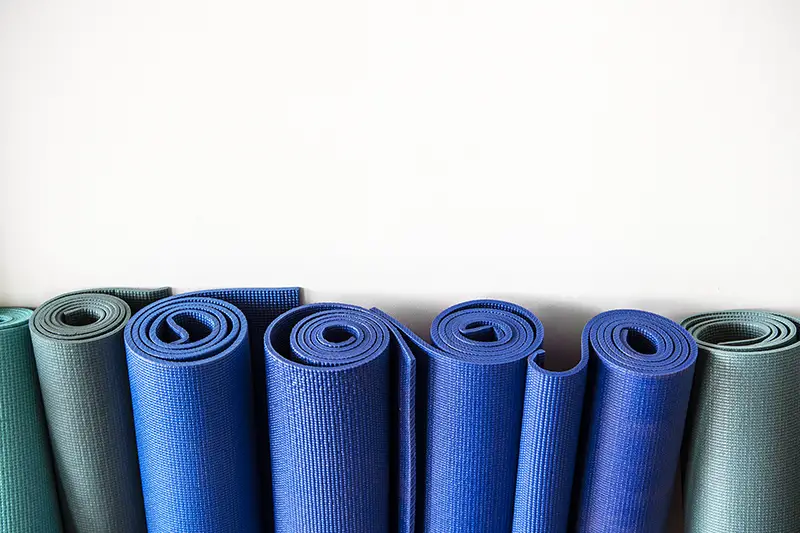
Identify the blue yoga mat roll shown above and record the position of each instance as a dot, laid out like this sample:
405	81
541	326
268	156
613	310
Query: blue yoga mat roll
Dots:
260	307
189	362
551	425
487	409
340	409
641	367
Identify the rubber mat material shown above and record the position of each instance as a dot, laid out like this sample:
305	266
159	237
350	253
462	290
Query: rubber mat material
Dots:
80	358
260	307
486	409
551	424
640	376
340	404
28	498
742	460
189	360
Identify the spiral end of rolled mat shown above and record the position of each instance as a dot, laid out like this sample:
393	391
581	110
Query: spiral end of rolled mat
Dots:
185	329
79	317
487	332
330	388
189	367
14	317
637	394
640	342
327	336
742	463
744	331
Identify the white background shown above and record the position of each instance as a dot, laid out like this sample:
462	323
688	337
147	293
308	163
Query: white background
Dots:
570	156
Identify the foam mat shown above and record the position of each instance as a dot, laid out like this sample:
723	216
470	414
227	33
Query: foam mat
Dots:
742	466
191	378
80	358
340	404
640	374
28	499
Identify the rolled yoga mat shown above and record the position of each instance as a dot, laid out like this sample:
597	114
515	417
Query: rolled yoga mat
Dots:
640	376
189	360
742	464
80	357
487	409
28	498
340	405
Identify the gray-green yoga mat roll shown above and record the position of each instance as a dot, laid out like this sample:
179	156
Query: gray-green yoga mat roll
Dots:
28	500
742	464
80	357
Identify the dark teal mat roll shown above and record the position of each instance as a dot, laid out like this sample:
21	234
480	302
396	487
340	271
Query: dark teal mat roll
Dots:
28	499
80	357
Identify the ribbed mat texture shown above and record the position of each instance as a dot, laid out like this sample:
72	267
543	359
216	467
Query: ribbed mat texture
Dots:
189	360
340	405
640	376
551	424
742	464
478	384
28	499
80	357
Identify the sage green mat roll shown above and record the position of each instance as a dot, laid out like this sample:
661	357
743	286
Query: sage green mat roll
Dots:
80	357
28	500
742	464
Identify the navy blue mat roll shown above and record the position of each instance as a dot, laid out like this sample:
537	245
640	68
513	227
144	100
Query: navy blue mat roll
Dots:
189	362
340	409
486	410
640	375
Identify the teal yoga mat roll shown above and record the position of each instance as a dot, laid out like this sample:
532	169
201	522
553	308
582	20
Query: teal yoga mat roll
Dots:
80	357
28	500
742	454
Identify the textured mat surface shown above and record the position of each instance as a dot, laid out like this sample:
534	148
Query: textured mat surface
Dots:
340	406
80	357
28	499
189	359
473	392
551	424
640	375
742	467
260	307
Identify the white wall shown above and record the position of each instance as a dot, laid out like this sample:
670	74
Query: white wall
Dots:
572	156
